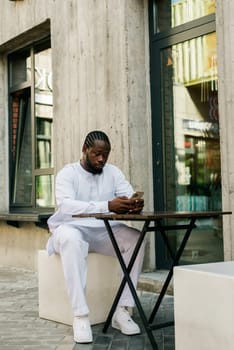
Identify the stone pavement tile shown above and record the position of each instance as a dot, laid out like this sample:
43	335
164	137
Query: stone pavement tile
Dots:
137	342
6	347
22	329
83	347
20	326
65	347
119	344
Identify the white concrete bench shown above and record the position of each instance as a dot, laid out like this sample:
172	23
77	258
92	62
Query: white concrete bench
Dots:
204	306
102	282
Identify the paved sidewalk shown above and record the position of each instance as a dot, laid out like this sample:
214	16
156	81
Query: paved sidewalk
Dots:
21	328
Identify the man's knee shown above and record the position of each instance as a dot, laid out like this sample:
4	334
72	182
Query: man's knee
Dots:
128	239
71	238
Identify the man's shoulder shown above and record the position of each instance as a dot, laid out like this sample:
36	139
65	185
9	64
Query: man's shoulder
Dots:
74	165
70	167
111	167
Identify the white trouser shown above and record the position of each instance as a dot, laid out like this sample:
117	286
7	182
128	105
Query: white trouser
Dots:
74	243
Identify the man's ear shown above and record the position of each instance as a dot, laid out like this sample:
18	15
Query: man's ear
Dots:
84	148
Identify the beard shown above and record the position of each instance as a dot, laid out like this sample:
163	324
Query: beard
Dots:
92	169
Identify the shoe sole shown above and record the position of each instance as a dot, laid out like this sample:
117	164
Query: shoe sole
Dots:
83	341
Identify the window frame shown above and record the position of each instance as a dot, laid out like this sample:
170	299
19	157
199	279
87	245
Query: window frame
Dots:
33	49
157	42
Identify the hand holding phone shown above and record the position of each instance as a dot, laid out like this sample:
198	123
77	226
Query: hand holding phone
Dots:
137	195
138	203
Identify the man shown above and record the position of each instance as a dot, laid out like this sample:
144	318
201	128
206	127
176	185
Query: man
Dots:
93	186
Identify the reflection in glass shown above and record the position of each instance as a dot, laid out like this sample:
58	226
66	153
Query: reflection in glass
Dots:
43	109
43	123
44	191
192	143
43	150
171	13
187	10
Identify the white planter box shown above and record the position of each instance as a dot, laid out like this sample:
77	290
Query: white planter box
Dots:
102	283
204	306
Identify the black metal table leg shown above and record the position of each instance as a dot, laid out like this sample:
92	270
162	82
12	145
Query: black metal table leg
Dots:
176	259
127	279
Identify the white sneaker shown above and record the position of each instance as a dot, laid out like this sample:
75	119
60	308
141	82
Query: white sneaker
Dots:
82	330
122	321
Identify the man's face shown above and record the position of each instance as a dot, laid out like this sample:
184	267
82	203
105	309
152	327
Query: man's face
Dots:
96	157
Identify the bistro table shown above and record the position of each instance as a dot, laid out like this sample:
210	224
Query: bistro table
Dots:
161	222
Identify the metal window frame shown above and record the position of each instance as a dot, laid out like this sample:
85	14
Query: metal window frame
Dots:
22	207
157	42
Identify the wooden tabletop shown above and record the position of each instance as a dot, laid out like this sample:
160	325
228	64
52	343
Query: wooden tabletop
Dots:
155	215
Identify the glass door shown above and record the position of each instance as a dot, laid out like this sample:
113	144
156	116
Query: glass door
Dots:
191	141
185	122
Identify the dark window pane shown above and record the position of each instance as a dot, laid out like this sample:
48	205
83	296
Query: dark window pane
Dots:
22	148
20	68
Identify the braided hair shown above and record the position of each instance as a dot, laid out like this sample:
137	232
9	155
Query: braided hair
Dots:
96	135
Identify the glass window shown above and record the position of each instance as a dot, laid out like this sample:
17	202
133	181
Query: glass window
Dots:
192	141
43	109
20	69
172	13
21	147
44	190
31	118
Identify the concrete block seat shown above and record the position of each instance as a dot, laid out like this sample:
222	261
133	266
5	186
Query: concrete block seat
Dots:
204	306
102	283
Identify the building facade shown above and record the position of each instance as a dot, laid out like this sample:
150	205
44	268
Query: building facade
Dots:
155	75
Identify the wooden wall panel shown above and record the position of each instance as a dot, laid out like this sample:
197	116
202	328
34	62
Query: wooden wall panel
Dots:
100	74
93	76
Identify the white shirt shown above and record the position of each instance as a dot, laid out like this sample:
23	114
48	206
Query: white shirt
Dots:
79	191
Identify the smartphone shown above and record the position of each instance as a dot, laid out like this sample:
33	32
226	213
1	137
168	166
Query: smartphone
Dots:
137	195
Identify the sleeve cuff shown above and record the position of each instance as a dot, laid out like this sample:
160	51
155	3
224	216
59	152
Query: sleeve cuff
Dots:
104	207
